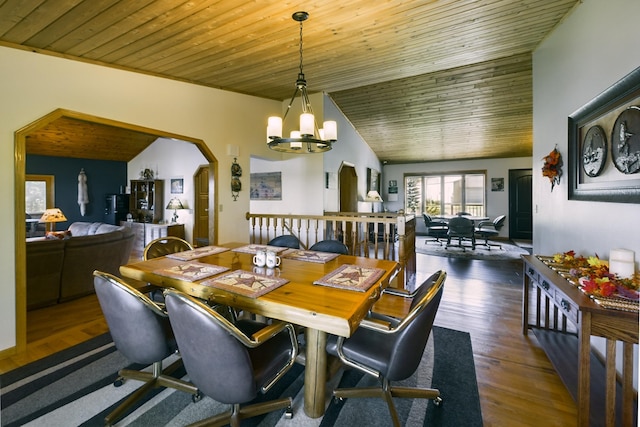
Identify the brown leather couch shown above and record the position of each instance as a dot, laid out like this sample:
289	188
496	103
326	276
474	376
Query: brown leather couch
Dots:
61	270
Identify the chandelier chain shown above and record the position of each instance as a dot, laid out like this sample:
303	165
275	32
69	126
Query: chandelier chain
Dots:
301	47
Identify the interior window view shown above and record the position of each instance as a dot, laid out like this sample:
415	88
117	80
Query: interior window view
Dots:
416	213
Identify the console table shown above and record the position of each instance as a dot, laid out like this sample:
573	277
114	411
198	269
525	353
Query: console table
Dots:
564	321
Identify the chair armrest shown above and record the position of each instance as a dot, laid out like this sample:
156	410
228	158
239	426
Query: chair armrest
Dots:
268	332
485	224
398	292
377	325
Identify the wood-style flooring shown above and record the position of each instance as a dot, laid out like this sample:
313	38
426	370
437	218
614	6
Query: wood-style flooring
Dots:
517	384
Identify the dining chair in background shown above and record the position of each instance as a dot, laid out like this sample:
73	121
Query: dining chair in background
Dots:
461	229
285	241
391	349
141	331
334	246
231	363
488	229
164	246
436	230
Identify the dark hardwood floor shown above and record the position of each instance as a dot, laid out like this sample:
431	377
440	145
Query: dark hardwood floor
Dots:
517	384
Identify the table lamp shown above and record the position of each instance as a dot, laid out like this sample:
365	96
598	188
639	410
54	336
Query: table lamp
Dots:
175	204
372	197
51	216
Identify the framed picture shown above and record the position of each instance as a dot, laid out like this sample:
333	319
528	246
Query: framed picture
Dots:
266	186
177	185
497	184
373	177
604	145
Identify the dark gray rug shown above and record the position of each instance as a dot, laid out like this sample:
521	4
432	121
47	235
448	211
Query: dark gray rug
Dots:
74	388
509	251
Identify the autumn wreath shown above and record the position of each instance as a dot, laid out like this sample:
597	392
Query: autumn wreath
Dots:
552	168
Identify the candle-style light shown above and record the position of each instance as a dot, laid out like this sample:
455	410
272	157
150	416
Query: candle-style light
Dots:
309	138
622	263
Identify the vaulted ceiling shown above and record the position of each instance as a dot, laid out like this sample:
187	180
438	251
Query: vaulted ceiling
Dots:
419	80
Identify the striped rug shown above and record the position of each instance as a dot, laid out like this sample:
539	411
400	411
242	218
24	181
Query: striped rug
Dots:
74	388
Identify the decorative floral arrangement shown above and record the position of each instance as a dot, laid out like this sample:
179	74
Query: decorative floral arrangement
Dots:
594	277
552	167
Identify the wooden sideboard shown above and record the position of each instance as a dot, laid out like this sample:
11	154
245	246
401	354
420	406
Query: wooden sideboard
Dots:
563	319
146	232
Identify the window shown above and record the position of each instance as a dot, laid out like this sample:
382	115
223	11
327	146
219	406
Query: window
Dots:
445	194
38	194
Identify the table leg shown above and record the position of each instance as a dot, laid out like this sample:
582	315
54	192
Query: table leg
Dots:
315	374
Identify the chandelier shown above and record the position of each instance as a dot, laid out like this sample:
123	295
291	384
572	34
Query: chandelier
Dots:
308	139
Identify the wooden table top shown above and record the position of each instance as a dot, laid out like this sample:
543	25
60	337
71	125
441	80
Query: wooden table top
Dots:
332	310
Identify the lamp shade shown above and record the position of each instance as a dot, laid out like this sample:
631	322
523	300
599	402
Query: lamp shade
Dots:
52	215
175	204
373	196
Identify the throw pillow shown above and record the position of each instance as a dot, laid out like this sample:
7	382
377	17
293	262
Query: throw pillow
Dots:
58	235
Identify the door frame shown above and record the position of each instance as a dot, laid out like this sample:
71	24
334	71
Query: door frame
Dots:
20	139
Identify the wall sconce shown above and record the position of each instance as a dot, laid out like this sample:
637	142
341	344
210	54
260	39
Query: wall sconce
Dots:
51	216
175	204
236	185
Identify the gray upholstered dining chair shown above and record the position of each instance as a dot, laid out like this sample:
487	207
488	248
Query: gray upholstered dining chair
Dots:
436	230
391	349
231	363
164	246
285	241
488	229
141	331
461	229
335	246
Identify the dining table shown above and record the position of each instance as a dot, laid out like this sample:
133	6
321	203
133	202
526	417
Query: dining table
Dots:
474	218
321	292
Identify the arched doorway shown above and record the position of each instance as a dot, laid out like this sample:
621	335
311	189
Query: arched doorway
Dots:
97	126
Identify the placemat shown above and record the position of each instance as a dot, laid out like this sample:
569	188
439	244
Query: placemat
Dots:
191	271
352	277
252	249
246	283
310	256
197	253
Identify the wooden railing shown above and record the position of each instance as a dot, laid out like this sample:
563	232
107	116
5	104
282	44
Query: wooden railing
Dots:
372	235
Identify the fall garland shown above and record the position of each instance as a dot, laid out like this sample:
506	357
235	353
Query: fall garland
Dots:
552	168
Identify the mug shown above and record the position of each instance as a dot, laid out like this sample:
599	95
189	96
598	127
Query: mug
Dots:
260	258
273	260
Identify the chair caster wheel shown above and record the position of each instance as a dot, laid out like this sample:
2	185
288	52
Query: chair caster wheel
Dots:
197	397
118	382
437	401
288	413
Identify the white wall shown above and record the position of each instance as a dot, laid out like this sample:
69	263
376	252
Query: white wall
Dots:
33	85
172	158
572	66
591	50
497	201
350	149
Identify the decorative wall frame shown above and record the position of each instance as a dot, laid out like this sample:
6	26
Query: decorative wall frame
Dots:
373	180
266	186
604	145
177	185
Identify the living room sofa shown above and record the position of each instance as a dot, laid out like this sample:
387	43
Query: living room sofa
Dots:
62	269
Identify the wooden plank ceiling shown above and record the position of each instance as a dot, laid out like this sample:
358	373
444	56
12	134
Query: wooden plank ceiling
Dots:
419	80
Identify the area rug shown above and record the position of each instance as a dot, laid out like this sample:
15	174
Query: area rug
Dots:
74	388
509	251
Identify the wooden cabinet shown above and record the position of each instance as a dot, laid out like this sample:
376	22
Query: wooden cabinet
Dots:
146	200
145	233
